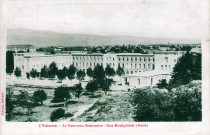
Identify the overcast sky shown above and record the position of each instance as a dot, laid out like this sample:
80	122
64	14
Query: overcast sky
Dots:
152	18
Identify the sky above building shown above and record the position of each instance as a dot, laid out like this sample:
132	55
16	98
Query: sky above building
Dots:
152	18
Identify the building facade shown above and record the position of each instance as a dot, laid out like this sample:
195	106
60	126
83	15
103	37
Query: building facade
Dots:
140	69
134	63
164	63
84	61
26	62
148	78
166	60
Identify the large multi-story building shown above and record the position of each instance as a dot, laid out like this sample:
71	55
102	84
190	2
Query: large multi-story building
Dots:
164	63
26	62
138	67
134	62
84	61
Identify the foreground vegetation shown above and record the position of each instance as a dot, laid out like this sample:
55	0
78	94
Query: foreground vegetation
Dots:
182	103
114	106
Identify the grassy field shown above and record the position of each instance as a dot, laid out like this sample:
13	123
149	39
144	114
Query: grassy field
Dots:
114	106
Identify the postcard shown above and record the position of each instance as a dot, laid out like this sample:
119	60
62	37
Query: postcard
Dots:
104	67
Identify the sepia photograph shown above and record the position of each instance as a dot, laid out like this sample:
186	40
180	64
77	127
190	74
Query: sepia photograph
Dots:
104	61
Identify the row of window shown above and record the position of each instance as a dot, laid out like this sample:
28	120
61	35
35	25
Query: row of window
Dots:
166	67
149	59
110	58
137	66
87	58
85	64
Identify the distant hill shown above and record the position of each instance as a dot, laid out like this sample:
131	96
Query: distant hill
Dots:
46	38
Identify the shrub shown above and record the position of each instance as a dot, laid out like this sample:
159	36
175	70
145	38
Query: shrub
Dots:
40	96
90	72
109	71
106	85
181	104
25	101
68	115
61	94
17	72
162	84
80	75
78	90
92	86
152	105
56	114
187	105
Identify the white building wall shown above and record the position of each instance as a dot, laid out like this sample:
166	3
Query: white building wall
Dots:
143	81
166	60
85	61
27	62
133	63
110	59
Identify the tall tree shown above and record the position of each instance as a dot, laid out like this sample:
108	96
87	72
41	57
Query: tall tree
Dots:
44	71
61	75
52	70
90	72
80	75
65	70
109	71
196	69
78	90
17	72
99	73
33	73
184	70
120	71
9	62
106	85
71	72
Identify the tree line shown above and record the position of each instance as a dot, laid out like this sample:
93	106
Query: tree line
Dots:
52	71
